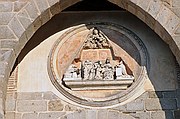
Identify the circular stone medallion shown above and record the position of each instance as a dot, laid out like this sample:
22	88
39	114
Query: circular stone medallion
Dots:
98	64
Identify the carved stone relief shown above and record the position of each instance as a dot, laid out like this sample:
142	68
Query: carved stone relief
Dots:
89	66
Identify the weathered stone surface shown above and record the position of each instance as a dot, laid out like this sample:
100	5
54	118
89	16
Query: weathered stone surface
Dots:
172	23
49	96
55	105
158	115
158	104
70	108
150	21
144	4
55	9
8	43
31	106
30	116
120	108
154	8
163	16
16	27
156	94
51	115
91	114
113	115
32	10
3	68
46	15
6	33
141	115
19	5
137	105
79	114
10	105
102	114
177	31
29	96
52	2
42	5
152	104
9	115
6	6
175	3
5	17
25	22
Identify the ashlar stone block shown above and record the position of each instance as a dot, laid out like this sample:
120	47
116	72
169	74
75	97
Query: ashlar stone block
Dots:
42	5
102	114
16	27
5	17
51	115
6	6
137	105
154	8
55	105
158	115
31	106
32	10
30	116
6	33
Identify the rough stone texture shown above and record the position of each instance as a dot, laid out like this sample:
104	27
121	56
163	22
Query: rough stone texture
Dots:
6	33
152	104
30	116
6	7
29	96
51	115
55	105
141	115
31	106
113	115
91	114
16	27
137	105
10	105
156	94
158	115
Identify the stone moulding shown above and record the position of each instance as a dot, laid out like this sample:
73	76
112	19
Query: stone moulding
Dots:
99	85
119	98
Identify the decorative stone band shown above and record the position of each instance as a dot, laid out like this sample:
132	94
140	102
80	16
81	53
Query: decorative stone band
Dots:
57	66
99	85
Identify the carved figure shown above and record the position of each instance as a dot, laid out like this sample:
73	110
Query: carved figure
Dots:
96	40
87	66
108	73
71	72
121	71
98	75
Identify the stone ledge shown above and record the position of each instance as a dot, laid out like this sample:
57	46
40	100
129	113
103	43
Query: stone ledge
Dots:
98	85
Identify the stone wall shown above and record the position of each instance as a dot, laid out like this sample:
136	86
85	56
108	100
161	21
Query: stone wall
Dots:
46	105
20	19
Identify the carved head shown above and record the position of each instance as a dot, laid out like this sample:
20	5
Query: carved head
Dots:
95	31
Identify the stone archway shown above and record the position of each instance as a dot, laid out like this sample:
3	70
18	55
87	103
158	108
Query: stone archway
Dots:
24	23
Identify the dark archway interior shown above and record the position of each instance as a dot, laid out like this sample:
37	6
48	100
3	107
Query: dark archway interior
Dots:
94	5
